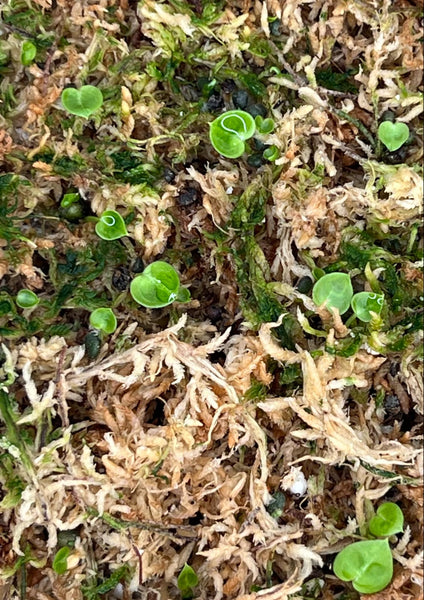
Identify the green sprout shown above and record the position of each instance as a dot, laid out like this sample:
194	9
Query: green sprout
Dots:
69	199
60	560
27	299
264	125
111	226
82	102
387	521
229	131
28	52
271	153
393	135
365	304
158	286
333	291
104	320
187	580
368	565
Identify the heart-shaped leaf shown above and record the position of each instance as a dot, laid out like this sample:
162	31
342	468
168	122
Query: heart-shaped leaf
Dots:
158	286
111	226
83	102
365	303
26	299
387	521
368	565
229	132
333	291
103	319
393	135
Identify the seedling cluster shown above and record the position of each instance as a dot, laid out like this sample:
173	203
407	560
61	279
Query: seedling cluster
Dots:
369	564
335	291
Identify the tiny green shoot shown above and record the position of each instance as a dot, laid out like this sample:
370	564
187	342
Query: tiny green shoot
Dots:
393	135
271	153
60	560
27	299
264	125
368	565
158	286
229	131
387	521
334	291
69	199
28	53
104	320
364	304
187	580
111	226
82	102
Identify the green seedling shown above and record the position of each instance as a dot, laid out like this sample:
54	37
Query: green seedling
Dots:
187	580
364	304
60	560
82	102
28	53
271	153
104	320
368	565
264	125
334	291
111	226
27	299
387	521
158	286
69	199
393	135
229	132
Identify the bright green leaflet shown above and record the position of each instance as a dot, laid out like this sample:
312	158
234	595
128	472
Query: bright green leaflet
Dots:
83	102
28	53
333	291
364	303
271	153
368	565
69	199
187	580
103	319
229	131
60	561
158	286
393	135
387	521
26	299
111	226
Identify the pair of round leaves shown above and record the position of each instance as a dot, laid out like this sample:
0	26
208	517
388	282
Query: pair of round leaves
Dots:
393	135
82	102
335	291
158	286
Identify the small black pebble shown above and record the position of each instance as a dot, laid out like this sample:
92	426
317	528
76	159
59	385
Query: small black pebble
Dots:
304	285
274	27
397	157
214	103
240	99
92	343
391	404
228	86
187	197
388	115
256	160
214	313
137	266
257	110
168	175
258	145
121	279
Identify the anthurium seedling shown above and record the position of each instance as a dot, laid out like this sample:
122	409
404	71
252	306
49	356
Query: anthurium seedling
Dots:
27	299
271	153
28	53
334	291
364	304
60	560
111	226
69	199
186	581
387	521
393	135
82	102
229	132
264	125
104	320
368	565
158	286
